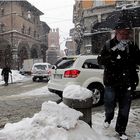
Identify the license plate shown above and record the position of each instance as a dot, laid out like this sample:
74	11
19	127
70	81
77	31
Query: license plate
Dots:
57	76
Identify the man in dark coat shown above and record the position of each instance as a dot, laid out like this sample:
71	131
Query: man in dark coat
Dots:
5	73
120	58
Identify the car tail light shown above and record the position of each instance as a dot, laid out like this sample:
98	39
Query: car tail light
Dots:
71	73
49	72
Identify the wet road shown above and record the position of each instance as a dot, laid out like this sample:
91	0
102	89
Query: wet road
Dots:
20	87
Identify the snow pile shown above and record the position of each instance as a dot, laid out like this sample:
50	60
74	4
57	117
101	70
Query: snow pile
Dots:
58	115
16	76
76	92
53	122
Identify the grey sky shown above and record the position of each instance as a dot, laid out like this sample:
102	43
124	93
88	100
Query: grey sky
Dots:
57	14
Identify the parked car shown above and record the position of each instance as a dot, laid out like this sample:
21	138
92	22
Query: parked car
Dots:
81	70
41	71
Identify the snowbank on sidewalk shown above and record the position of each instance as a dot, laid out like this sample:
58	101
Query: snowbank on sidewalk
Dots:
53	122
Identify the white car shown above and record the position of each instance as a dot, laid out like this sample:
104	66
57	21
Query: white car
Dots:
81	70
41	71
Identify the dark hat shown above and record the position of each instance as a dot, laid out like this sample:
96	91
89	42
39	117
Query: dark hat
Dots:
123	25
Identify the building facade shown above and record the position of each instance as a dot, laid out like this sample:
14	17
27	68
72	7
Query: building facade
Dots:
21	33
53	52
70	47
86	14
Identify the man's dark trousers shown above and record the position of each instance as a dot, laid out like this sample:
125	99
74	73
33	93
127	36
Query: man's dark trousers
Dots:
123	97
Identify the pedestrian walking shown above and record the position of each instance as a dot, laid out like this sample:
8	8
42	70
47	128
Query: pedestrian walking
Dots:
120	57
5	73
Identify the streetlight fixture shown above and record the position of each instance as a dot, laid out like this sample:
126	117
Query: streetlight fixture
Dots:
88	48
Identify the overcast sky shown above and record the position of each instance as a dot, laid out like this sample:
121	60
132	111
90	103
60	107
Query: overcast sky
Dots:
57	14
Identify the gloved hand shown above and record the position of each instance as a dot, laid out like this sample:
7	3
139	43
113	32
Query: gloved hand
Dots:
121	45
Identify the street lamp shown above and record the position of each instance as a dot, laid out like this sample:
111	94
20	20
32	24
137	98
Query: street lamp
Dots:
88	48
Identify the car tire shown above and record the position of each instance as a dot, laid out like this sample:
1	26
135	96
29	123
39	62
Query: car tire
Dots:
41	79
97	93
34	79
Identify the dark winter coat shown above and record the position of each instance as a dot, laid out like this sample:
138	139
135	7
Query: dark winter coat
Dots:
122	71
6	71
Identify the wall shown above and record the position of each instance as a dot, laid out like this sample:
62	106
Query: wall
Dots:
87	4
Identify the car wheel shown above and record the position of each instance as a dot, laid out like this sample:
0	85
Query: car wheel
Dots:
34	79
97	93
41	79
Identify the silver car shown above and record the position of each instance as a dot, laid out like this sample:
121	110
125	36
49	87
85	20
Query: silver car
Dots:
41	71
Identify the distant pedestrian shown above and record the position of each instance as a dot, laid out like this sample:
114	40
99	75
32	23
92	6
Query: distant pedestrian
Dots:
120	57
5	73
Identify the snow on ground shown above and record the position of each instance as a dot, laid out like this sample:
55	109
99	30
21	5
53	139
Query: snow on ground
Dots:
14	77
59	122
53	122
132	130
36	92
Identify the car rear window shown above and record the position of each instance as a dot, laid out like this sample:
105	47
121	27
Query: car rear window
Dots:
65	63
42	67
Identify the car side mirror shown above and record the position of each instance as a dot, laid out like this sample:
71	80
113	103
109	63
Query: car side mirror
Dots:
54	67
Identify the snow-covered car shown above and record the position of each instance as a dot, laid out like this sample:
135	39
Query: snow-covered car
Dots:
80	70
41	71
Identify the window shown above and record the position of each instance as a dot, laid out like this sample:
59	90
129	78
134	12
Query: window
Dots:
65	63
22	13
2	11
91	64
29	30
99	3
34	33
2	27
42	67
23	29
29	15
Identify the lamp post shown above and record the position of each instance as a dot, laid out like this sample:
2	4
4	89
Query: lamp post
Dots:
88	48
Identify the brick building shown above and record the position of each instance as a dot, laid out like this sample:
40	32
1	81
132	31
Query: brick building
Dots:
22	34
70	47
53	52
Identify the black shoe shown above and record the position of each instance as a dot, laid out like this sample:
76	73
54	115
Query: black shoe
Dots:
6	84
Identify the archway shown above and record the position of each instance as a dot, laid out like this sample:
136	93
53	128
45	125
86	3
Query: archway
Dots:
43	52
34	53
23	53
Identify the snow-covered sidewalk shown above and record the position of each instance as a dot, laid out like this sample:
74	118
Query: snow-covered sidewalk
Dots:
132	130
